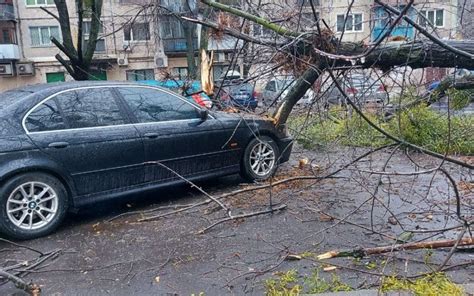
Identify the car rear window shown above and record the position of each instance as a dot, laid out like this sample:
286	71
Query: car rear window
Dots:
44	118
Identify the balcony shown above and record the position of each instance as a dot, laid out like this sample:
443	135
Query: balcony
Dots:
9	52
7	13
178	45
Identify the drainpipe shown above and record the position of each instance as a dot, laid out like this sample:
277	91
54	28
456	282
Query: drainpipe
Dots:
113	25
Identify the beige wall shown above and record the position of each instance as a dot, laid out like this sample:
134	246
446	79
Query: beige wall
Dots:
140	54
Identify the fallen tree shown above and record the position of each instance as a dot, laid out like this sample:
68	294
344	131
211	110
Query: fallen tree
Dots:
318	50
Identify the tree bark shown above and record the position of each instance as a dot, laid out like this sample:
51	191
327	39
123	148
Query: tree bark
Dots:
189	29
80	60
296	92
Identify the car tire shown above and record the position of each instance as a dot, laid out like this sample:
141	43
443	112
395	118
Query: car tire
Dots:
260	159
32	205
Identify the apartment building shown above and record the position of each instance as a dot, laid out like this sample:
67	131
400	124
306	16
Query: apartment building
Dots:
135	43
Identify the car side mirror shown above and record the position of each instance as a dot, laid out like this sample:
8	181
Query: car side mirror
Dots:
203	114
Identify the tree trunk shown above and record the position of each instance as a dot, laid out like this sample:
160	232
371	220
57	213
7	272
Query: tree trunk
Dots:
80	60
296	92
418	54
189	29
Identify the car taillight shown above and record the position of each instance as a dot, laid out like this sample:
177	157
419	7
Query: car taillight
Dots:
255	94
351	90
381	88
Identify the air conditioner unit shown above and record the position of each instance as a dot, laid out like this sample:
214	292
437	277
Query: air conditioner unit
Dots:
25	69
161	61
122	62
6	70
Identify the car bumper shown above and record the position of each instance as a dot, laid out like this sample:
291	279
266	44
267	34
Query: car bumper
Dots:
285	145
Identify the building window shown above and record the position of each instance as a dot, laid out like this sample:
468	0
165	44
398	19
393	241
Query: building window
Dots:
171	28
7	36
39	2
144	74
180	72
86	29
41	36
353	22
433	17
136	32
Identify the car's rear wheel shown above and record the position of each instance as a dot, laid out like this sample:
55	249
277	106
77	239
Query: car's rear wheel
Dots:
260	159
32	205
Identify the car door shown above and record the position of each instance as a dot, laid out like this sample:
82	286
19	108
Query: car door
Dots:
270	92
177	140
88	133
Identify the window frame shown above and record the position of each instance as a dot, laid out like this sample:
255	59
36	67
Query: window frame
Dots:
353	22
132	39
85	36
50	44
134	72
122	108
39	5
427	22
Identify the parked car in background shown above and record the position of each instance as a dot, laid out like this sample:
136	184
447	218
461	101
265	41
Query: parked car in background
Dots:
74	143
277	88
361	88
235	92
439	101
192	90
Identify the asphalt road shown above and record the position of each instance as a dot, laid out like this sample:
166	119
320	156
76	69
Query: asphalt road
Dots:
168	257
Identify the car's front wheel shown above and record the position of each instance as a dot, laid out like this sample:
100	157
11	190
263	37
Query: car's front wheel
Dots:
32	205
260	159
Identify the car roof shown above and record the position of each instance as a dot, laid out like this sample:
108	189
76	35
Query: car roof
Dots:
24	91
66	85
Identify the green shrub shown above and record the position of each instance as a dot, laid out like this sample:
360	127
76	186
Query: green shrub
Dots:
419	125
430	285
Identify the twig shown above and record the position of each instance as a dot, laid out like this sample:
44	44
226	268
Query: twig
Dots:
281	207
32	289
193	186
21	246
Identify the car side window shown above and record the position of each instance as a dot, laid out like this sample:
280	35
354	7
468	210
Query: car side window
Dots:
90	107
271	86
151	105
45	117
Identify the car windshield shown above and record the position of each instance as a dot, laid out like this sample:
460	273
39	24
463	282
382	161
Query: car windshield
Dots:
284	84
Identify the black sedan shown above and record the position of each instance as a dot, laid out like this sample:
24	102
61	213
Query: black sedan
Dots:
69	144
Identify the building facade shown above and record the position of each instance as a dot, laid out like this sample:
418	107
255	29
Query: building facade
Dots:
135	42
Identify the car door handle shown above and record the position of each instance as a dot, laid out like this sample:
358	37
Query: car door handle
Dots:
151	135
58	145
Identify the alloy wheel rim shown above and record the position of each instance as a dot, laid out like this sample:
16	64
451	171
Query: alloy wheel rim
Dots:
262	159
32	205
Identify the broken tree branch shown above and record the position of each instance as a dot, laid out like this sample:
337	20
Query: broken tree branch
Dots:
363	252
279	208
32	289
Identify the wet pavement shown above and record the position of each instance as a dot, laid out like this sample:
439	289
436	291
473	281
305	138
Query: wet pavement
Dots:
166	256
